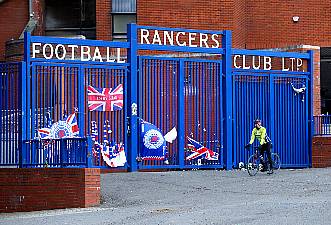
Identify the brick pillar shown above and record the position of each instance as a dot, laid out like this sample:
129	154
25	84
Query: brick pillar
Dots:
48	188
321	155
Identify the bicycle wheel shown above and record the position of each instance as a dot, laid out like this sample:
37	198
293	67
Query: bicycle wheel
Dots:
275	161
253	165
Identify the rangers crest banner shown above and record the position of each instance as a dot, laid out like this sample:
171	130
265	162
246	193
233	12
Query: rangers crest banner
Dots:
65	128
153	143
105	99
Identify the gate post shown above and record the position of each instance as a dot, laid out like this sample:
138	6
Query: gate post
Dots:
25	85
310	116
132	107
272	106
227	71
181	113
22	133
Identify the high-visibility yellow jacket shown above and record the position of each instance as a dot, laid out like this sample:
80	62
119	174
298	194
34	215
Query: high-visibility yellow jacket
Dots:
261	135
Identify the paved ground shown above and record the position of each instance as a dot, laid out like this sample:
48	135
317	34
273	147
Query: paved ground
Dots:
201	197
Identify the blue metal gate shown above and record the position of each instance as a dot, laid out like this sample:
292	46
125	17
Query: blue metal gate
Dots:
168	87
111	126
284	113
209	104
282	100
251	100
203	96
59	90
290	121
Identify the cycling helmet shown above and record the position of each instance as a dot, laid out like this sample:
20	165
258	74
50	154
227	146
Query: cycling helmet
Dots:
257	121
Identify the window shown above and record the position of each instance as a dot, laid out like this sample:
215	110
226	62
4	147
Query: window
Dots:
123	13
70	18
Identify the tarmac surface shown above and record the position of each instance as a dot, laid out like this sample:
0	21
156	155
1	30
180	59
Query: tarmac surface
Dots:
200	197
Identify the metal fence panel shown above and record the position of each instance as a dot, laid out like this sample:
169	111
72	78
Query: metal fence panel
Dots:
283	111
66	152
290	121
158	102
10	113
251	101
111	126
203	110
322	125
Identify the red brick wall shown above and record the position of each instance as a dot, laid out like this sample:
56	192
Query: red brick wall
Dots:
255	24
199	14
41	189
103	20
321	155
14	14
240	24
270	23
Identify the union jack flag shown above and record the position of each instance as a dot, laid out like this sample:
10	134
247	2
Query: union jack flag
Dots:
105	99
72	121
199	151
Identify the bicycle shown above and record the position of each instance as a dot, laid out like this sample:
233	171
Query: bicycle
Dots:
255	165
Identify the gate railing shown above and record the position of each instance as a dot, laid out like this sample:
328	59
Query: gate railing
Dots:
10	113
322	125
62	62
65	152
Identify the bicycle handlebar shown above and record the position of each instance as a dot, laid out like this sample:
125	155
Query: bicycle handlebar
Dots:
255	148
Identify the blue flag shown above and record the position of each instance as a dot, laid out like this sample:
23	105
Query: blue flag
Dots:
153	145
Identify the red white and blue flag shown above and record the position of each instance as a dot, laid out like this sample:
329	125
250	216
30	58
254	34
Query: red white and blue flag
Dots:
105	99
200	151
114	154
44	133
153	143
61	129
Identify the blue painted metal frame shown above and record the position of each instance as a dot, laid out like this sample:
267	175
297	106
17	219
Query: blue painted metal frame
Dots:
271	53
132	98
164	71
181	114
227	92
227	70
311	104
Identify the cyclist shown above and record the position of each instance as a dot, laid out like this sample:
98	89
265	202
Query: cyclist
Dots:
260	133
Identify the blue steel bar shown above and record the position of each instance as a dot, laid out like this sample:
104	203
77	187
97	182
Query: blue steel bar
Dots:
180	30
270	53
79	42
181	114
81	102
132	96
227	62
179	49
310	104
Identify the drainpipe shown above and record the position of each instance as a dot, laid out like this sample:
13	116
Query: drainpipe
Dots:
30	9
32	23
